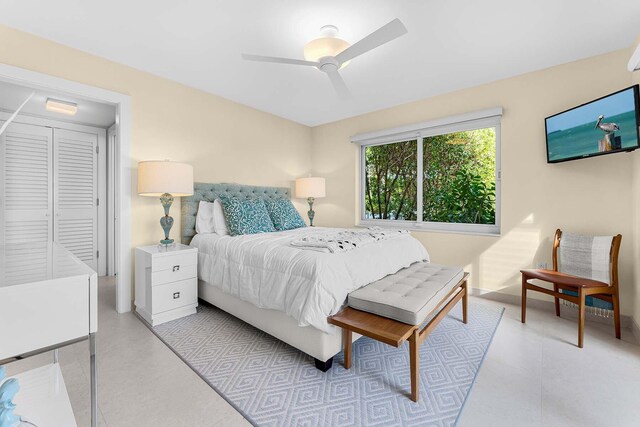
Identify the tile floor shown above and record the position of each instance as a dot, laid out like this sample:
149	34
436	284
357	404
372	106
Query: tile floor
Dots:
533	375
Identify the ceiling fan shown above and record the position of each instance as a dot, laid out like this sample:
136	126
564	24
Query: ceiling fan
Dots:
330	54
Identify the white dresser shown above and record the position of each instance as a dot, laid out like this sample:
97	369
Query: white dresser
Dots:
166	282
48	299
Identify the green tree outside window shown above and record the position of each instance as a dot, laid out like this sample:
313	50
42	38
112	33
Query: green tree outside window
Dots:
458	179
391	181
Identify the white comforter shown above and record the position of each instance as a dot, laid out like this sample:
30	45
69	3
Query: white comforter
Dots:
265	270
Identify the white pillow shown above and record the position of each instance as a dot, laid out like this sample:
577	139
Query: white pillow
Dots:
205	222
219	219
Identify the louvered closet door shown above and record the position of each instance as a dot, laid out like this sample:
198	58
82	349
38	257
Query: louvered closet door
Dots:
75	167
26	184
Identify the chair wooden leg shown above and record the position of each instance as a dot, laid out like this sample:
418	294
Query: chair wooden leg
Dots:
347	337
414	357
581	314
524	299
557	300
465	300
616	312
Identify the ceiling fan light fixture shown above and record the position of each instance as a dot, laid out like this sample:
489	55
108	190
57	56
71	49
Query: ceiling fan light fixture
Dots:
323	47
328	53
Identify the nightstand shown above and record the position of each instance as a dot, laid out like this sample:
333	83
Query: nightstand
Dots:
166	282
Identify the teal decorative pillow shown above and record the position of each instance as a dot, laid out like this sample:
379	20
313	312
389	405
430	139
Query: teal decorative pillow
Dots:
283	215
246	216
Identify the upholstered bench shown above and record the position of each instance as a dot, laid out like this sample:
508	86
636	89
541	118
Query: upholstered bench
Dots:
392	309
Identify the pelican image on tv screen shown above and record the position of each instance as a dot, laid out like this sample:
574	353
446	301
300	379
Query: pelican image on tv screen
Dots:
606	125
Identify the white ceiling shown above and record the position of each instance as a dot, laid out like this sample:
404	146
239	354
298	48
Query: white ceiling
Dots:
451	44
89	112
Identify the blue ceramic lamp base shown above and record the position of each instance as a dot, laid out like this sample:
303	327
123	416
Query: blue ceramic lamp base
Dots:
166	222
311	213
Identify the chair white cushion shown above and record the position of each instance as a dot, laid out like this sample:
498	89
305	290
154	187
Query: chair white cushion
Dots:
409	295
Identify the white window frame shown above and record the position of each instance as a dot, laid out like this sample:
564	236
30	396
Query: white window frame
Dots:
490	118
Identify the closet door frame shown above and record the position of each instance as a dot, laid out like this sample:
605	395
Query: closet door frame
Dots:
112	213
102	173
125	165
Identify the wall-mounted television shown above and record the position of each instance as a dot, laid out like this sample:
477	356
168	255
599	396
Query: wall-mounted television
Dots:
606	125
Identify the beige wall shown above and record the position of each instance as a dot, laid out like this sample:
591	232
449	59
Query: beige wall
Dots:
223	140
591	196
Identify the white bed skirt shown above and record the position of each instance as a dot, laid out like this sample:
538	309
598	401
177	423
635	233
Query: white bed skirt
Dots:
317	344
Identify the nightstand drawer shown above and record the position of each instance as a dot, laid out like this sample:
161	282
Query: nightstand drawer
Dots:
175	261
175	274
175	295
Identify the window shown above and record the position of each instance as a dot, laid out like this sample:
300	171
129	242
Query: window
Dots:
441	176
391	181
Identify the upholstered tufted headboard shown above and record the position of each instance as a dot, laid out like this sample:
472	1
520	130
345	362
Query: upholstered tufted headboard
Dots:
210	192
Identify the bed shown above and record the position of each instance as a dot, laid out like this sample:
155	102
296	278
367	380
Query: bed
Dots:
285	291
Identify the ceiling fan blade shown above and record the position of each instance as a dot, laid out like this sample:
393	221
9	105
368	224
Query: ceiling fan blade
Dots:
339	85
278	60
382	35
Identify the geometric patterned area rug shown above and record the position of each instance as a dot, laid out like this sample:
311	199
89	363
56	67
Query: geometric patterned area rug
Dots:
273	384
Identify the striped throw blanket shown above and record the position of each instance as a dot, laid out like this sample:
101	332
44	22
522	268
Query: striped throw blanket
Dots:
586	256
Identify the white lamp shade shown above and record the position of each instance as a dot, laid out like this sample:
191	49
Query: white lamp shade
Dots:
158	177
310	187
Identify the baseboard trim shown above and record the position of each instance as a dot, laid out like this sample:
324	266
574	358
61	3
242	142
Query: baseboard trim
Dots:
626	322
155	320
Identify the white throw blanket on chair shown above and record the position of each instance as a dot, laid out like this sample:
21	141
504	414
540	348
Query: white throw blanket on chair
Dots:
589	257
585	256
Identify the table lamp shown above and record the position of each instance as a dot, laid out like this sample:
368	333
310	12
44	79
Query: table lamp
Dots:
311	188
167	180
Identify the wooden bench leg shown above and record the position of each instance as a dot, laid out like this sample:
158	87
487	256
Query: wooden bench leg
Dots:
465	300
346	336
523	318
414	356
557	300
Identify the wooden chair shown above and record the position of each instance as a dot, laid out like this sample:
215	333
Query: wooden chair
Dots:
583	285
